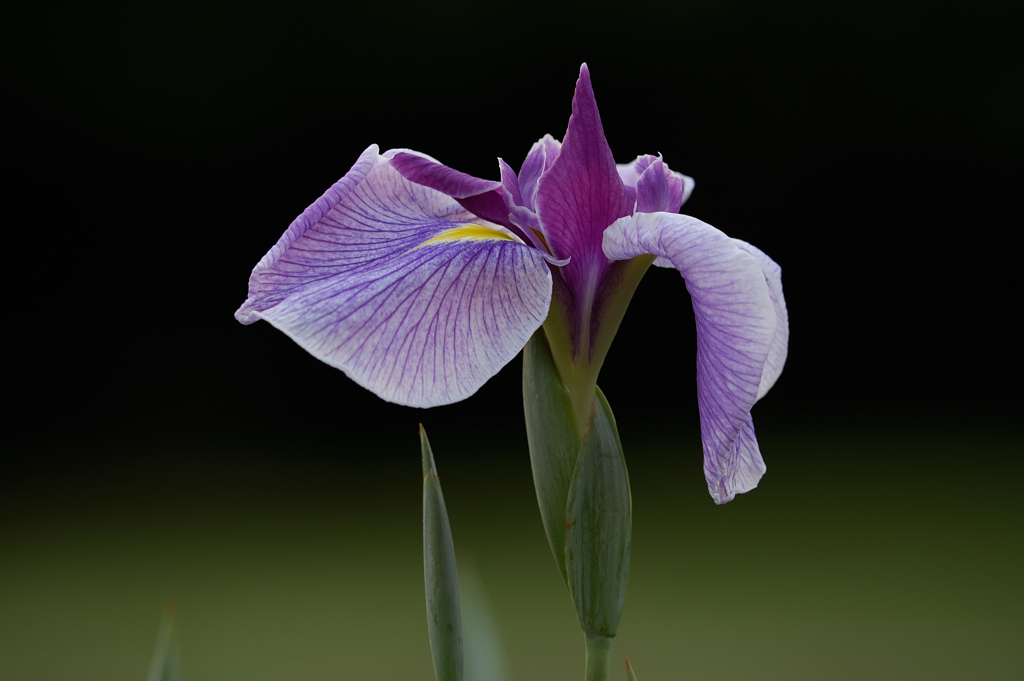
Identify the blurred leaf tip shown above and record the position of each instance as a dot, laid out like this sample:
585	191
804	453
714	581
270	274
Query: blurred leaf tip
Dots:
630	674
164	666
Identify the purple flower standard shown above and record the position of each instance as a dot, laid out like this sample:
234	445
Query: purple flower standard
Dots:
420	282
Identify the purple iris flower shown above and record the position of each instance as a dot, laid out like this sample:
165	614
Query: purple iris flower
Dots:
421	282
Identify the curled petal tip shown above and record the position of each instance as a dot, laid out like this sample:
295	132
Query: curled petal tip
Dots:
555	261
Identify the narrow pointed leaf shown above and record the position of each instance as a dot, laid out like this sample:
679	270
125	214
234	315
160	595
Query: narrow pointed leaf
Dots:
598	526
630	674
553	438
444	619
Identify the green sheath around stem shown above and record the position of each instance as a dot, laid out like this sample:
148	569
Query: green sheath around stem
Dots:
553	437
598	526
583	494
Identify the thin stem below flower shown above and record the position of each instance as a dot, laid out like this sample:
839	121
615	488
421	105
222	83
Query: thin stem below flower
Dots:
580	334
599	658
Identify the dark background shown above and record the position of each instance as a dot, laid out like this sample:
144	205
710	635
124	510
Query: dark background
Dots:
872	149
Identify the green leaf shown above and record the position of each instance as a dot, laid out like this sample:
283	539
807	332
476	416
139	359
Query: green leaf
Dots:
598	526
553	435
444	619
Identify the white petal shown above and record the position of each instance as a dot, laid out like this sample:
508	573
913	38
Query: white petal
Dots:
398	286
736	326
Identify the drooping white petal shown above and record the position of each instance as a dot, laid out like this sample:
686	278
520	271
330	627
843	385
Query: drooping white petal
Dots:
736	325
401	288
780	342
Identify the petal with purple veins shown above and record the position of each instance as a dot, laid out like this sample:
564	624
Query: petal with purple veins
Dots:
780	342
736	328
398	286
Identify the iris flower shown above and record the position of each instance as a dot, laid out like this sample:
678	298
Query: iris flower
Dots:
421	282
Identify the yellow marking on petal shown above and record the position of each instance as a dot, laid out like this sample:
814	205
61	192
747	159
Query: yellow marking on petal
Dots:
467	232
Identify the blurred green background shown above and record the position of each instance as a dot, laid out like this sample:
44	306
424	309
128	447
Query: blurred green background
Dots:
882	554
154	448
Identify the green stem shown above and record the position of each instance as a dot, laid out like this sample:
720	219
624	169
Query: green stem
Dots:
579	343
599	658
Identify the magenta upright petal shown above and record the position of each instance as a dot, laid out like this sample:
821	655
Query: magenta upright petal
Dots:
429	172
653	193
489	206
737	327
541	157
509	184
478	196
581	194
679	186
399	287
524	221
